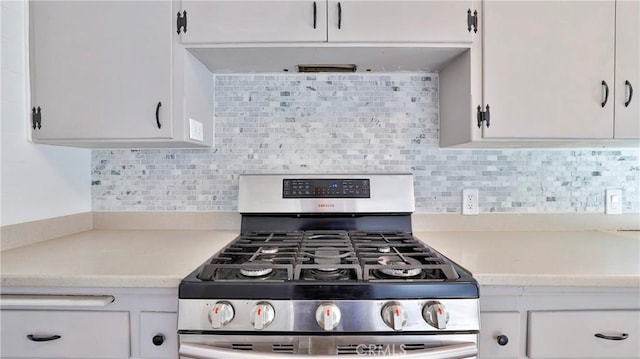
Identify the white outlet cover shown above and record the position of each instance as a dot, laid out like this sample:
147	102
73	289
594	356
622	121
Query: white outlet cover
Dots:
470	202
613	201
196	130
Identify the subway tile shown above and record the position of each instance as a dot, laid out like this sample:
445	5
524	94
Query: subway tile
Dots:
354	123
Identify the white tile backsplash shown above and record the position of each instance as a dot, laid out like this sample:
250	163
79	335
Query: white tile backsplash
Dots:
354	123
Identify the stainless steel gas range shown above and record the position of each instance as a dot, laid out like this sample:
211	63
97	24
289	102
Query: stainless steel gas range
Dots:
326	265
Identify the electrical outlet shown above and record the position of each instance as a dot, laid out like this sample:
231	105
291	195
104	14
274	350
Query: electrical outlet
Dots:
613	201
470	202
196	130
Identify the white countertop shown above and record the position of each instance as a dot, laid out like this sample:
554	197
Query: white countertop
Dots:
554	258
112	258
161	258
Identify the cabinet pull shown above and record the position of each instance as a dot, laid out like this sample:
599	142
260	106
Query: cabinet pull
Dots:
315	13
606	93
158	340
502	340
157	115
339	16
612	337
40	338
628	85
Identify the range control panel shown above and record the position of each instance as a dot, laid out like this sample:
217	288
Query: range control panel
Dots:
325	188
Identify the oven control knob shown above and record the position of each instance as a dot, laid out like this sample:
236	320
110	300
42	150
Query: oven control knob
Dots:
262	315
221	314
436	315
328	316
394	315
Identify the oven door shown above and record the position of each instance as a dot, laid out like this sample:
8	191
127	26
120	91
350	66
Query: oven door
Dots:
440	346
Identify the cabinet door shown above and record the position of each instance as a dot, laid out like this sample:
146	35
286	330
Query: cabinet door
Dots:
627	120
543	68
499	335
100	68
398	21
238	21
158	335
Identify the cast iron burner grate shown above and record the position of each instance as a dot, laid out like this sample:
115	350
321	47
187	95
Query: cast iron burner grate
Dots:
327	256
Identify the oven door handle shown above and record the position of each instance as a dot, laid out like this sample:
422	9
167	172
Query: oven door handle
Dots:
453	351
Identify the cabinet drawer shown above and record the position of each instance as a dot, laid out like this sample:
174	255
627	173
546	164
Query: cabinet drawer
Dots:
496	324
82	334
572	334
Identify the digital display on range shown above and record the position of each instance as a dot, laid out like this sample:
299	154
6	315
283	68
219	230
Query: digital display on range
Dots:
326	188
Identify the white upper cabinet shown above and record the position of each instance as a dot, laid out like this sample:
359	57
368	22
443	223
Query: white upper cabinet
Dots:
399	21
548	69
101	69
627	104
269	21
113	74
240	21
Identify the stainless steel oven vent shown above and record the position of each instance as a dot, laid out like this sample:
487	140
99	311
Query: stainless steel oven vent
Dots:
328	68
347	349
283	348
242	346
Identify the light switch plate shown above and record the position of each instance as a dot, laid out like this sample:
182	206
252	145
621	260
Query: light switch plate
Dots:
613	201
196	130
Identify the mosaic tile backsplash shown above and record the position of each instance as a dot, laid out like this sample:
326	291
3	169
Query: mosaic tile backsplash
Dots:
329	123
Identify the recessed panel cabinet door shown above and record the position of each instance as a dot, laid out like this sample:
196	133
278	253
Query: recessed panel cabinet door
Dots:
99	69
240	21
401	21
548	66
627	122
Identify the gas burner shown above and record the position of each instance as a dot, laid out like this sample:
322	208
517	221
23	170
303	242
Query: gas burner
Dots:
409	263
401	273
384	249
269	250
325	236
327	256
324	274
255	271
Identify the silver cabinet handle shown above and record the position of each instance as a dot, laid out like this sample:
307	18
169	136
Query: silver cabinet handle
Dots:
21	300
197	351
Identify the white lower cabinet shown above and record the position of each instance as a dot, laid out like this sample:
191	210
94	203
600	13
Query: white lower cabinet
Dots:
158	335
559	322
64	334
500	334
84	323
584	334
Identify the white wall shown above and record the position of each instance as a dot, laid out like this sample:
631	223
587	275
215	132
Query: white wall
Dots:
37	181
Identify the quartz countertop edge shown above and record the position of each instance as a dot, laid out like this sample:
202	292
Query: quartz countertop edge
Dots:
161	258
